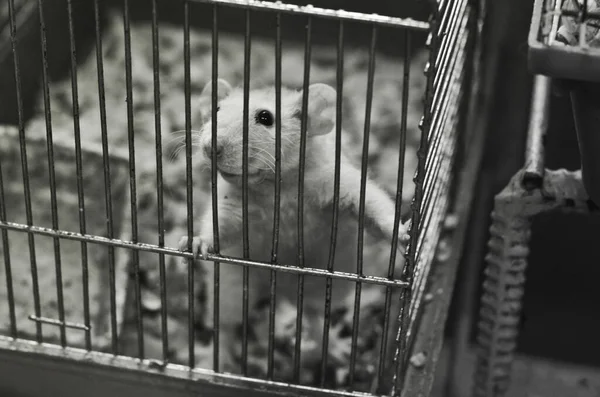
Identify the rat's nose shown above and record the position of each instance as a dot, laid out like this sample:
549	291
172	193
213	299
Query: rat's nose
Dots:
208	150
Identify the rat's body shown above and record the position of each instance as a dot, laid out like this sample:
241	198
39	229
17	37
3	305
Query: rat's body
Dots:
318	201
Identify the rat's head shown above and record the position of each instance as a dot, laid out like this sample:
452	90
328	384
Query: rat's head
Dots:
262	128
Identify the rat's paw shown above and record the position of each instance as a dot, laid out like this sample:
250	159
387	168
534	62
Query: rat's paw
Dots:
403	235
200	246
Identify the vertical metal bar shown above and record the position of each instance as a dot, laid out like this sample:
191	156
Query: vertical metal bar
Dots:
582	20
246	247
25	169
215	207
277	196
336	197
107	183
555	22
409	267
398	209
533	174
188	173
301	166
159	187
52	175
79	171
132	179
361	207
7	262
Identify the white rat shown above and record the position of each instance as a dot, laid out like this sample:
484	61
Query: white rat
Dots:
318	199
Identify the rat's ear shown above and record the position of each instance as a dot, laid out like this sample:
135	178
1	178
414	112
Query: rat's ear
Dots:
320	109
223	89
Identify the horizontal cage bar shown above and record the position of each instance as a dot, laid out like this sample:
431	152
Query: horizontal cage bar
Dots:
310	10
170	251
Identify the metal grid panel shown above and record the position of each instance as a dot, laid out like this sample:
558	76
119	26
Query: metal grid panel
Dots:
454	34
448	41
564	39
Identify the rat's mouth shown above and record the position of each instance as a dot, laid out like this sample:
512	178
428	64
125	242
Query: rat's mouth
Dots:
232	176
228	174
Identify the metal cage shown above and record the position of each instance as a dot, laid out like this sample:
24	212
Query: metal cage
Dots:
96	237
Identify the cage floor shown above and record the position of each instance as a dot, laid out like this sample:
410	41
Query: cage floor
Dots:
383	156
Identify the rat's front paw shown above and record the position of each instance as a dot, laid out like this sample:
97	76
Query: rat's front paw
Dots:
200	246
403	235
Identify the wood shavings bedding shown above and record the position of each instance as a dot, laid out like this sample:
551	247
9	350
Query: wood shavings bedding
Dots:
383	161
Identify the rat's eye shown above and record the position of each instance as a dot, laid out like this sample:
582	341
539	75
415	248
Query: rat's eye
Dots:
264	117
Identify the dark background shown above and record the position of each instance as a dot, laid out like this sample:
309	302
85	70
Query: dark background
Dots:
561	319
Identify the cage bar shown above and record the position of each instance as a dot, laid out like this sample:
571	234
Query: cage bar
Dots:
398	209
449	30
361	209
246	247
439	148
409	266
300	214
447	119
132	178
212	257
62	324
555	21
107	180
189	183
25	168
277	201
437	194
437	144
52	176
579	14
336	197
159	187
323	13
79	171
583	21
215	207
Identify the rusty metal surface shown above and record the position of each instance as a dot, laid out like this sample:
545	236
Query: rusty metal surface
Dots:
310	10
531	191
538	124
501	302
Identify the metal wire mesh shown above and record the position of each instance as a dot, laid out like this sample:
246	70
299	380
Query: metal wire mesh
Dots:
564	39
572	22
447	101
450	42
450	35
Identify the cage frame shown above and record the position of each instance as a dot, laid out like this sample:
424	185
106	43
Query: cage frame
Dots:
565	61
22	351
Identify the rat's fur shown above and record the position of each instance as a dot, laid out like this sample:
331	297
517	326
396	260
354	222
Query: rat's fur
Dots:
318	200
